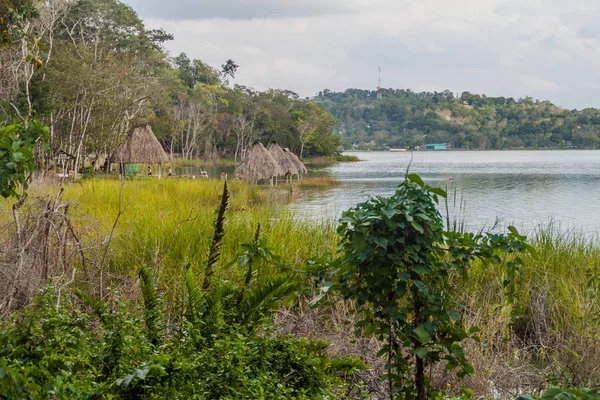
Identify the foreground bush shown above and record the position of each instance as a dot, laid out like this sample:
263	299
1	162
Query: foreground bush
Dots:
398	263
215	341
57	351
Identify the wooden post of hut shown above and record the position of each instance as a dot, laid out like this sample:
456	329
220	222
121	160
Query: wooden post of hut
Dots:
64	161
299	164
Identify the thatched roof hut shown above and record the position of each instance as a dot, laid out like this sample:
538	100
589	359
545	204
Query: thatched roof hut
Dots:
141	146
285	163
294	158
258	165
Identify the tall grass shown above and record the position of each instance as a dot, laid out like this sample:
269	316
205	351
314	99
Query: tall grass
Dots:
346	158
167	223
180	162
318	182
552	336
327	160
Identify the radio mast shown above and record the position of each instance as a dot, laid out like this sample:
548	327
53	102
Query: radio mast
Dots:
379	94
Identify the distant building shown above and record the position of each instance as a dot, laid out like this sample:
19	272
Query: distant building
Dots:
437	146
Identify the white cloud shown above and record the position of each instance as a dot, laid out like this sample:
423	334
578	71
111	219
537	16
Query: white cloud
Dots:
542	48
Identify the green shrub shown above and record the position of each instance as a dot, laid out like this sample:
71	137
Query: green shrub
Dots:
216	341
58	350
565	394
398	263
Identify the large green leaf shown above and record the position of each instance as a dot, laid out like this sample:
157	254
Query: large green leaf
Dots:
416	179
422	334
421	352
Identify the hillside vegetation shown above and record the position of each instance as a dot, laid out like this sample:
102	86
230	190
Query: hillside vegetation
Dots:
403	118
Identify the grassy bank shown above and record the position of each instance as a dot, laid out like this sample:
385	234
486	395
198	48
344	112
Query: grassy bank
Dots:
167	223
550	336
331	159
182	162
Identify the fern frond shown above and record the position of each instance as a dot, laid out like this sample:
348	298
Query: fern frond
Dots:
215	247
346	365
153	312
249	272
113	324
263	298
99	307
213	318
196	301
257	233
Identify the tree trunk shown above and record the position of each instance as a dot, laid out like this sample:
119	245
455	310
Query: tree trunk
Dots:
420	378
419	364
21	254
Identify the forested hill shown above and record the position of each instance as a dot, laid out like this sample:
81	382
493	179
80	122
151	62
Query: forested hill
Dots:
403	118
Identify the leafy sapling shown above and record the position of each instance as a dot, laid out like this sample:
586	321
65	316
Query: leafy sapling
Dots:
396	262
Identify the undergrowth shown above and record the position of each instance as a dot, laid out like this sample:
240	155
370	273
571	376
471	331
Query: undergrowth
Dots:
549	337
215	339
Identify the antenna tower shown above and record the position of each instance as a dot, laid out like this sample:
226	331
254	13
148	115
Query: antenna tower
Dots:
379	94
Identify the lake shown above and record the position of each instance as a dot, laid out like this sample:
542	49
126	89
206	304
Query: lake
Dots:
527	189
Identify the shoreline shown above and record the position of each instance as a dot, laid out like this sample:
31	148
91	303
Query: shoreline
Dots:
470	150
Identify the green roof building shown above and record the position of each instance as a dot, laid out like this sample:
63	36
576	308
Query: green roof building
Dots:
437	146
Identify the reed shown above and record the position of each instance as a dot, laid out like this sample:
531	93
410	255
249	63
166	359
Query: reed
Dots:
318	182
327	160
346	158
167	223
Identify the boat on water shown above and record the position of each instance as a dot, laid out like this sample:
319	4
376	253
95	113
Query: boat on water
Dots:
397	150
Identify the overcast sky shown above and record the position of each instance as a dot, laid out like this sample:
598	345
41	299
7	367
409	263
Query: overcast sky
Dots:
547	49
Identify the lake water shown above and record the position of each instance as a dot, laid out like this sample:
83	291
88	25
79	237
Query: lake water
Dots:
522	188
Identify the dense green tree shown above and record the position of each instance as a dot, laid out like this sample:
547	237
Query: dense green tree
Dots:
14	14
95	70
229	69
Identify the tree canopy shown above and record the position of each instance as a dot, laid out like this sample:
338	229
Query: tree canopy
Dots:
95	71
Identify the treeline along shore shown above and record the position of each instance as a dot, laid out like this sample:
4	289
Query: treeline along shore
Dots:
93	71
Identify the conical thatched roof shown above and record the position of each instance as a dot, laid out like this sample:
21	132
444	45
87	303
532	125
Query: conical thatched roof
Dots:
141	146
258	164
294	158
285	163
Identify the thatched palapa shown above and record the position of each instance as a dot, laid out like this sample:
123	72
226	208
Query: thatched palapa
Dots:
141	146
294	158
258	165
285	163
